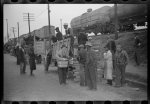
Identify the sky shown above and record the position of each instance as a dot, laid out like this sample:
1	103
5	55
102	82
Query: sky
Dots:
66	12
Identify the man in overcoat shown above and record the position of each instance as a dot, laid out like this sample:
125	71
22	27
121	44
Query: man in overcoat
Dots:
91	68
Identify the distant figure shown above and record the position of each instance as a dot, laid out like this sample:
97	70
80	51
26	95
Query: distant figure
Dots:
48	59
91	68
58	34
121	60
137	44
109	65
32	60
82	61
17	53
22	59
82	38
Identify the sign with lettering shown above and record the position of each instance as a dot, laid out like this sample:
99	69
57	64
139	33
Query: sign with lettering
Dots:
57	46
39	47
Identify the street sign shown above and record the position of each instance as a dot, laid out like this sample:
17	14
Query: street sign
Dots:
40	47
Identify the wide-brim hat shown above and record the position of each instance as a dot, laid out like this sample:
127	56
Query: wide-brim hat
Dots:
56	28
88	44
80	46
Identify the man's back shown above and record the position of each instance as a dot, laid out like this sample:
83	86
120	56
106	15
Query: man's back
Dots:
82	55
59	36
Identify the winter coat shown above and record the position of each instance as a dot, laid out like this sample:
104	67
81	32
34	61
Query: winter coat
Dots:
82	56
32	59
21	55
121	57
109	64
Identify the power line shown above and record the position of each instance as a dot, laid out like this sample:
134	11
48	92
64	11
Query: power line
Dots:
28	15
41	13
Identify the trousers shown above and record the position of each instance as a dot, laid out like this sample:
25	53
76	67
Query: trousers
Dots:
62	73
22	67
91	77
120	74
82	75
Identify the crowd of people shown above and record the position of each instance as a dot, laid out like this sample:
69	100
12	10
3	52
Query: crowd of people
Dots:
115	60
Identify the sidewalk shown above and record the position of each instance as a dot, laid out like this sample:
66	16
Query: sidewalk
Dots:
135	75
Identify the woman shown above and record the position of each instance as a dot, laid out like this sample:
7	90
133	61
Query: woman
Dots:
32	60
109	65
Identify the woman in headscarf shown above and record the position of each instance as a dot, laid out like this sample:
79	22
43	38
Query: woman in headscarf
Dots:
109	65
32	60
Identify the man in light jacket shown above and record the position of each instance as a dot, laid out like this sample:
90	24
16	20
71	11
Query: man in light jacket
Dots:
62	72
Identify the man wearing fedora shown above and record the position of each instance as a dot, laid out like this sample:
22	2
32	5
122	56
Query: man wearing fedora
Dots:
82	60
58	34
91	68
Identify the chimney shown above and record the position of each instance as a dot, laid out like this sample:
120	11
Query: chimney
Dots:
89	10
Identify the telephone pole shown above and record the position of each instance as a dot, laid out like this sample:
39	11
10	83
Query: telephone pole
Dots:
116	21
28	17
49	25
13	31
61	24
7	29
18	29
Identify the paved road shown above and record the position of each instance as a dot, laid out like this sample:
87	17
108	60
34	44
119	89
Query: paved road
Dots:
45	87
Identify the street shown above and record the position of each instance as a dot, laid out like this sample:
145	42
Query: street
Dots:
45	87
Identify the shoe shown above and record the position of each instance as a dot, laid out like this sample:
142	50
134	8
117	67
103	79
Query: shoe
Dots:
89	88
94	89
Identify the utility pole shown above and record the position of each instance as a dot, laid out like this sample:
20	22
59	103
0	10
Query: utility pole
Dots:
49	25
7	29
61	24
13	31
18	30
28	17
116	21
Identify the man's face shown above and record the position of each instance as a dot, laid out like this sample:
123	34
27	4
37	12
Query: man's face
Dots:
119	48
57	30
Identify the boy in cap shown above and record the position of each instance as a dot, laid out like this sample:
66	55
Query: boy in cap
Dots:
91	68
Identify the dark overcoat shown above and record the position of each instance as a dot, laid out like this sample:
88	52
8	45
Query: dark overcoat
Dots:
32	59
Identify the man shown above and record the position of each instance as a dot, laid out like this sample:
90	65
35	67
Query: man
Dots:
62	72
82	60
121	60
21	59
58	34
137	44
48	59
91	68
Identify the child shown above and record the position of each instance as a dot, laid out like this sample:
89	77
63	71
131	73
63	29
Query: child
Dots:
108	65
